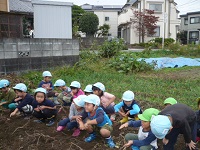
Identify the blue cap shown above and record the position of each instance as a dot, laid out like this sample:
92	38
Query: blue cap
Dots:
59	82
21	87
160	126
42	90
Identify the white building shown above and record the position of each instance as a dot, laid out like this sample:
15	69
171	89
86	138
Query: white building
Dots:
52	19
107	14
160	7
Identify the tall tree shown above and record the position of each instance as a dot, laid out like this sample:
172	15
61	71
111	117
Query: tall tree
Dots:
89	23
77	13
144	22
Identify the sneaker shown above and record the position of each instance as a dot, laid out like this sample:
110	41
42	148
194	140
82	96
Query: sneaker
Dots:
110	142
56	101
76	132
51	122
112	117
60	128
90	138
124	120
135	148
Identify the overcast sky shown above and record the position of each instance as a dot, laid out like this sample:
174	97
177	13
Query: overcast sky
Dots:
183	6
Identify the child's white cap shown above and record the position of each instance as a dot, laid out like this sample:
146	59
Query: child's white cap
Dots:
160	126
93	99
79	101
60	82
75	84
128	96
88	89
46	74
100	86
21	87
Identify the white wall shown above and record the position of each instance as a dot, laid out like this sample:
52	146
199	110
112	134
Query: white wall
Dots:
113	20
52	19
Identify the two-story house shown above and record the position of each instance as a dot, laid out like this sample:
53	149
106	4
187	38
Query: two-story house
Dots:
107	14
190	23
167	25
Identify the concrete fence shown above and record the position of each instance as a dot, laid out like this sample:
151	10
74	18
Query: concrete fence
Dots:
18	55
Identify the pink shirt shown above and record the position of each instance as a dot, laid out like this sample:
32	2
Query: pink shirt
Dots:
80	92
106	97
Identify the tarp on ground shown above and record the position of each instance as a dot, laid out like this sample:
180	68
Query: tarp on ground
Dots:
167	62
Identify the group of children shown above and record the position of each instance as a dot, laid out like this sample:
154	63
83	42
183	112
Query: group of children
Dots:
93	109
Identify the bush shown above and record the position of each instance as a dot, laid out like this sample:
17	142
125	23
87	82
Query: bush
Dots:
128	62
111	48
167	41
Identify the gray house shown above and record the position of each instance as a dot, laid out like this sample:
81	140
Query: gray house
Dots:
190	24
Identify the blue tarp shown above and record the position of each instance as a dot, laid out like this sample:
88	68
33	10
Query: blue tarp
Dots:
167	62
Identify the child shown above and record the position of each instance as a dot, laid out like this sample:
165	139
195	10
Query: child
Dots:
198	120
43	108
47	84
145	139
76	109
169	101
76	89
23	103
107	99
96	117
173	120
128	107
8	94
88	90
65	96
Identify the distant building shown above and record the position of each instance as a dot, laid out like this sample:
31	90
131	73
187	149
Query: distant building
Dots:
190	24
107	14
128	32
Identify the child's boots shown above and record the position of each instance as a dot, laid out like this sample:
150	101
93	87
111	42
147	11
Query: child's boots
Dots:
124	120
110	142
91	137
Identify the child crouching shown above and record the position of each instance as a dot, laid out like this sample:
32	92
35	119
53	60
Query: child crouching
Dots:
76	108
96	118
145	139
43	108
128	108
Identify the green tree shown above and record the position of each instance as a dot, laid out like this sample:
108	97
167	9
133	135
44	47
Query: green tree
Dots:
89	23
103	30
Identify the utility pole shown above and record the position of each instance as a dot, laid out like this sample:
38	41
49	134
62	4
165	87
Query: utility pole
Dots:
169	17
164	23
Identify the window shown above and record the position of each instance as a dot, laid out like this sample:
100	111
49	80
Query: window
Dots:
186	21
157	32
109	34
106	18
156	7
194	20
194	34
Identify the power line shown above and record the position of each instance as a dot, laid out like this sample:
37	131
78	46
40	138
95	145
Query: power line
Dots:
188	3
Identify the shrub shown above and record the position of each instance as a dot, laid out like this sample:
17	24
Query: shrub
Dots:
111	48
128	62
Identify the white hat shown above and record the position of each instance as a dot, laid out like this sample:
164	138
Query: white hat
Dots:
60	82
42	90
79	101
88	89
46	74
100	86
75	84
21	87
93	99
128	96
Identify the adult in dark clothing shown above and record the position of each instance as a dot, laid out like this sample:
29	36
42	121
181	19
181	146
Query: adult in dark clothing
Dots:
173	120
